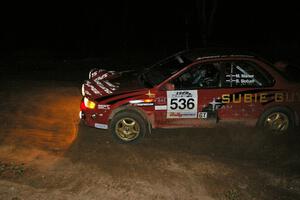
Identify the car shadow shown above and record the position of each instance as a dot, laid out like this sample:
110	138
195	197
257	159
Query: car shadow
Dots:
96	147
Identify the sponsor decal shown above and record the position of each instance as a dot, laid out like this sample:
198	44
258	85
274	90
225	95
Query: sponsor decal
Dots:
210	111
215	104
174	115
104	107
163	107
182	104
161	100
263	97
102	126
241	78
202	115
150	95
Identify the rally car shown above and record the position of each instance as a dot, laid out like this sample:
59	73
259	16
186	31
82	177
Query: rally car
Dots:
194	88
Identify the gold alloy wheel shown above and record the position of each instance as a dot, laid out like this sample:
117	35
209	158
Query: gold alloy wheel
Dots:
127	129
277	121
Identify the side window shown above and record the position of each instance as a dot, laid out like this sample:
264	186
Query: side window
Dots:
201	76
244	74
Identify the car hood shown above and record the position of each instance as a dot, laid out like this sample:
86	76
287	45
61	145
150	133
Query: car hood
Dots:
105	83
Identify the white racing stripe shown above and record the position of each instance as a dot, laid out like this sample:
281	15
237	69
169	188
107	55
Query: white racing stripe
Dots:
98	82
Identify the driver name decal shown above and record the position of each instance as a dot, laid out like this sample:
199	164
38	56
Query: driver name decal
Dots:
182	104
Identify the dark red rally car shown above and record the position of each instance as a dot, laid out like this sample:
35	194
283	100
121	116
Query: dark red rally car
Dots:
195	88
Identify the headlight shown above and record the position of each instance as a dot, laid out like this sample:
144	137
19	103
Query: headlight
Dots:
88	103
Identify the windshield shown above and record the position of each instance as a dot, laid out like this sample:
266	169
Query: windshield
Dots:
164	69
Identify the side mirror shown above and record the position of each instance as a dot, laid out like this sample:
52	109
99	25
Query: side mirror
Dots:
168	86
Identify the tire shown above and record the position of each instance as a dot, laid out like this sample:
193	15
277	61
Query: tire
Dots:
128	127
278	120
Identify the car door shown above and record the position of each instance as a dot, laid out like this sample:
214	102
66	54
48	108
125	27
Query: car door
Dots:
176	108
194	98
211	91
249	87
227	89
241	95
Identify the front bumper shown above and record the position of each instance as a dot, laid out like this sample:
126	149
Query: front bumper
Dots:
92	120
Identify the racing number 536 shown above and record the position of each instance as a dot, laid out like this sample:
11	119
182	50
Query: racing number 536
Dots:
182	103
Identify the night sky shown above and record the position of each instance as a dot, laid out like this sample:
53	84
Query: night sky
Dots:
79	30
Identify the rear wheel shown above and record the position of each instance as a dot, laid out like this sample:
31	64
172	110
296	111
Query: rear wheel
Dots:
128	127
278	120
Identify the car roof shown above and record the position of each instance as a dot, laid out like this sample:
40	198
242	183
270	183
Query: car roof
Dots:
204	53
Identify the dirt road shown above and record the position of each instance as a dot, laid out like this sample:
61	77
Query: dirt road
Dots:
45	153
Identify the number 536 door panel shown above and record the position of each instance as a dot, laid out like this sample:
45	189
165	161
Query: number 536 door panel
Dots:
177	108
201	107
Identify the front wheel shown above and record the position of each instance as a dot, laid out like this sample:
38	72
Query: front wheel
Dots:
128	127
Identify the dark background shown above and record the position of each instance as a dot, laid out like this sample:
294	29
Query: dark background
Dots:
139	32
